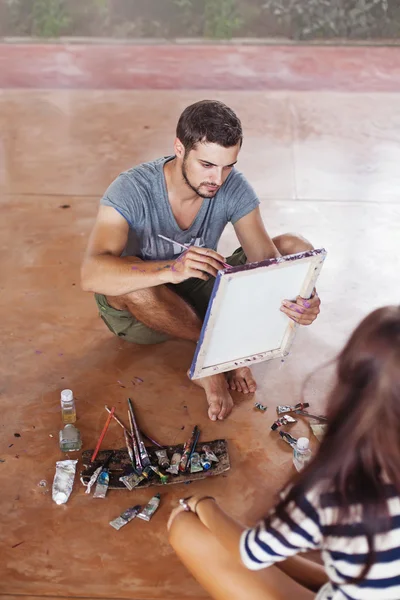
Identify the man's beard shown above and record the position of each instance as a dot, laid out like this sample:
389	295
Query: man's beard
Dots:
197	190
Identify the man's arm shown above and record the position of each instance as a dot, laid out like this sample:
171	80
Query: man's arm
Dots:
104	271
253	237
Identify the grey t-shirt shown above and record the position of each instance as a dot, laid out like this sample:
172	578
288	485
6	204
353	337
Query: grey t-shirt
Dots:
140	196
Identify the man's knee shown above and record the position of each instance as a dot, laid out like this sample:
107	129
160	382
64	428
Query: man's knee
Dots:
138	298
292	243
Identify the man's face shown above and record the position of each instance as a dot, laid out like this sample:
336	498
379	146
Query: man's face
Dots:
206	167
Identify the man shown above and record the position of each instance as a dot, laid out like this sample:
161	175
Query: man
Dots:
147	289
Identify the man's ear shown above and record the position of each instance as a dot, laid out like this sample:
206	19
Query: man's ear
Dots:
179	149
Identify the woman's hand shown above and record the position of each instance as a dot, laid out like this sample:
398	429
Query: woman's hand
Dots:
176	511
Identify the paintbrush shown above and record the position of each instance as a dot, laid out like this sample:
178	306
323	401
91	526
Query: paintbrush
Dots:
120	423
144	457
103	433
304	413
138	462
186	247
187	448
193	448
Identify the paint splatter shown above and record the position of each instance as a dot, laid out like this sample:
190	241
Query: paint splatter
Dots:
16	545
60	354
38	352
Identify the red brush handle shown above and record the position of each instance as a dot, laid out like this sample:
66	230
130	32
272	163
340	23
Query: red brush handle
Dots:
103	433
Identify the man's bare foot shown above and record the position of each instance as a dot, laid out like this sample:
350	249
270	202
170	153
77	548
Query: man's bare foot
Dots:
219	400
241	380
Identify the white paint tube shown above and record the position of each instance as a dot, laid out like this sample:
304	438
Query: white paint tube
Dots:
63	480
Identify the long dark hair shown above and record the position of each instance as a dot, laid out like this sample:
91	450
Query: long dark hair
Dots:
360	452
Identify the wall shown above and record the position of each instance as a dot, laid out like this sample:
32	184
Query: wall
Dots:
215	19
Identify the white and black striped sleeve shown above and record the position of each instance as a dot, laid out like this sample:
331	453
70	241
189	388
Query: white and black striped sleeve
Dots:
298	531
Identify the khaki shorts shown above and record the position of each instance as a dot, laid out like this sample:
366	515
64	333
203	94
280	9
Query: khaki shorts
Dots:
196	292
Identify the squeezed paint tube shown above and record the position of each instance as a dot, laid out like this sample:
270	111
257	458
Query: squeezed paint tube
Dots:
102	484
259	406
210	454
285	420
174	466
162	458
126	516
92	480
162	476
195	463
205	462
63	480
289	439
283	409
150	508
131	481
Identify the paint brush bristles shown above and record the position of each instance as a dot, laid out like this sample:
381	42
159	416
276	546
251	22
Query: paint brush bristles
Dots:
186	247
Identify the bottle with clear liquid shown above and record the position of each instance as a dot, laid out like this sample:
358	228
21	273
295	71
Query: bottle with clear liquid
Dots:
70	438
68	407
301	453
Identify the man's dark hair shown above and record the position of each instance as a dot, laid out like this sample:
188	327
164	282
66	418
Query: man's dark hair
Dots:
209	121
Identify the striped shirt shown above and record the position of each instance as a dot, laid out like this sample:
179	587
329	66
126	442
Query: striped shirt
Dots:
310	524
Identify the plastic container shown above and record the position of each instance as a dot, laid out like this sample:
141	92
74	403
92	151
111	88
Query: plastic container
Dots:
68	410
301	453
70	438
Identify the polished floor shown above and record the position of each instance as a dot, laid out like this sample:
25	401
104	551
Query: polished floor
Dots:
324	163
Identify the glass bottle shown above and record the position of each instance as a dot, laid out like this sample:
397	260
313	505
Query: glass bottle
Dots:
68	407
301	453
70	439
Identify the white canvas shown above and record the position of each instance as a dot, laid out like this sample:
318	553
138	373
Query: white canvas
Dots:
244	323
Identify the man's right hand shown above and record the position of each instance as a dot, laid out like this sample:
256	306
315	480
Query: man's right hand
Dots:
202	263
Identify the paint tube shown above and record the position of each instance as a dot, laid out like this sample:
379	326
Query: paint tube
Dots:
63	480
209	454
92	480
102	484
195	463
163	478
289	439
163	459
205	462
283	409
175	461
131	481
259	406
150	508
285	420
126	516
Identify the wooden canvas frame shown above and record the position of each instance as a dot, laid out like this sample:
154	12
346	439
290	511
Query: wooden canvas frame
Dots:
199	367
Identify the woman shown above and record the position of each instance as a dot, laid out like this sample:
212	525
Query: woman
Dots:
345	503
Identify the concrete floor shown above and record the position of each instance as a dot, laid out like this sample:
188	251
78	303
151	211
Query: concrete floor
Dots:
324	163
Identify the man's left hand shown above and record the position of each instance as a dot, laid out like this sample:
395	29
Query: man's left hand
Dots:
303	311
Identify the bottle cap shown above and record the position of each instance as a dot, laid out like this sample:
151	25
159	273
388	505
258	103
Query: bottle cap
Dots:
303	443
67	396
